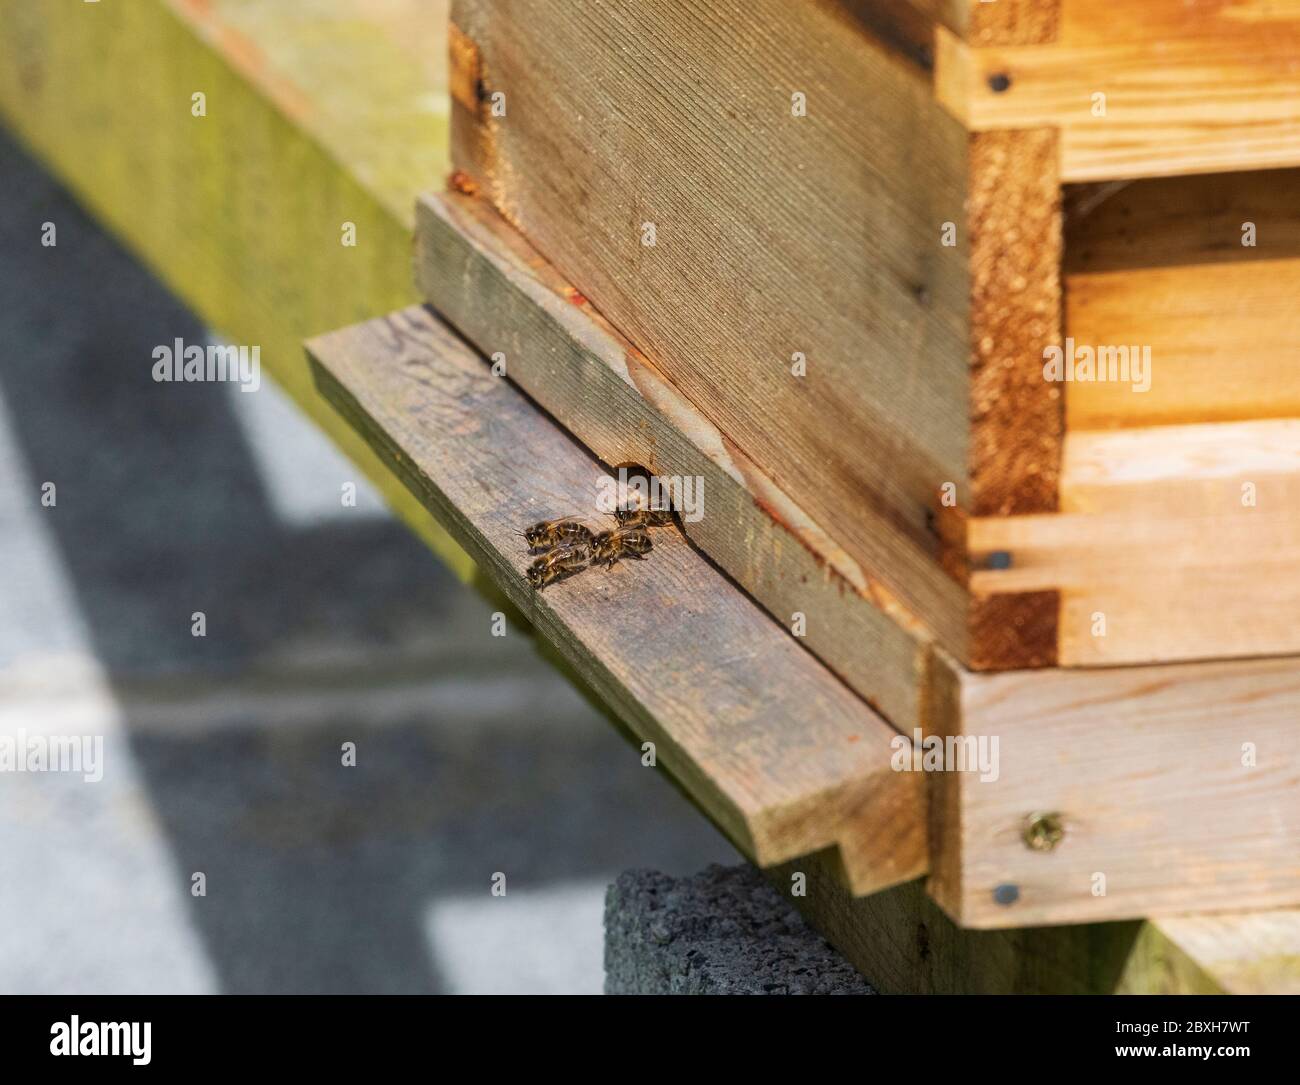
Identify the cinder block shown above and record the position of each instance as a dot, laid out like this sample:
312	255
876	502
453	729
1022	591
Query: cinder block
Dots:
725	930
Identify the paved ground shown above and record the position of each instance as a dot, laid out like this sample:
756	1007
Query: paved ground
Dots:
222	754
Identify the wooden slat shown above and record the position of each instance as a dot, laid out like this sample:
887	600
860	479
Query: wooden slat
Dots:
1164	264
775	234
1100	21
317	114
1185	538
904	944
496	291
781	755
1189	89
1180	785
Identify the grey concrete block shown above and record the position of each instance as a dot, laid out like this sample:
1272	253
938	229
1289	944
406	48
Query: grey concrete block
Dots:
725	930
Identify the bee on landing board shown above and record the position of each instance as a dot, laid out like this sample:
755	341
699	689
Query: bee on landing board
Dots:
623	542
643	517
558	563
563	531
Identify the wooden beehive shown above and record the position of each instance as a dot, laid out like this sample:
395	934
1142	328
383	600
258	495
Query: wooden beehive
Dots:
818	255
919	200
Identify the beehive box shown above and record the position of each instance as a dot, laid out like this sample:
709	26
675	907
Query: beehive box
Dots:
855	236
820	256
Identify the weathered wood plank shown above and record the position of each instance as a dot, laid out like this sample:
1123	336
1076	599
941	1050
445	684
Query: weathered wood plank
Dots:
496	291
783	757
316	115
775	235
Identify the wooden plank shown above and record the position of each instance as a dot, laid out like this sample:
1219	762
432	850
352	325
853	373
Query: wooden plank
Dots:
1202	270
316	114
1177	790
1184	539
1222	337
1192	90
489	284
904	944
775	234
1098	21
781	755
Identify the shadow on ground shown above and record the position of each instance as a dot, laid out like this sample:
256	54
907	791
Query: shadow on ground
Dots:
473	755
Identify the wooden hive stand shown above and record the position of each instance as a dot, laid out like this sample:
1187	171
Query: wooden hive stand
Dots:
824	257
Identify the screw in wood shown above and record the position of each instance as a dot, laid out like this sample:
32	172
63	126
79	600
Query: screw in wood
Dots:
1042	832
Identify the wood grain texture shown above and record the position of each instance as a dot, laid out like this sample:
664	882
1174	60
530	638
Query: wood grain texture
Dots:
1188	88
1016	424
1179	784
1162	264
780	755
1100	21
486	281
1014	216
317	114
1012	22
904	944
775	234
1185	538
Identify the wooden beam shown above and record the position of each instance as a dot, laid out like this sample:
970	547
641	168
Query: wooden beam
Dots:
486	281
904	944
779	754
1184	89
316	115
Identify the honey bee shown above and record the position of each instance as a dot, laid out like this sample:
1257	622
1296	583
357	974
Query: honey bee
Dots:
564	531
558	563
623	542
643	517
